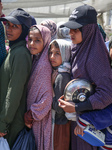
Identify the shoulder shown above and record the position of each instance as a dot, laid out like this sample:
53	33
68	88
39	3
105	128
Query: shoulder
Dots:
63	77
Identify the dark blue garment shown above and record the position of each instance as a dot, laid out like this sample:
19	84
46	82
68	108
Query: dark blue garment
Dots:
101	119
2	44
25	140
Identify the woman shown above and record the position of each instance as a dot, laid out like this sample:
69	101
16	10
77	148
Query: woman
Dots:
90	60
14	74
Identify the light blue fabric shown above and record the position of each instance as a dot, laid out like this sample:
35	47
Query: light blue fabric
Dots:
107	44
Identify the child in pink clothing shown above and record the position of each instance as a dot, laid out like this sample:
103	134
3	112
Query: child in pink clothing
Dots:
39	93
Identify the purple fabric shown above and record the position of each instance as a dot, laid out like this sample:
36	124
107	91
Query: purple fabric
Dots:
39	98
51	25
90	60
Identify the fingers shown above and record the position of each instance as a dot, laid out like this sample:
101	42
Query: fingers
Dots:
61	97
28	125
2	134
78	130
61	102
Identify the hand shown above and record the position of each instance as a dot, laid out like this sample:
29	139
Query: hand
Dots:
78	130
1	7
2	134
54	75
28	125
28	119
67	106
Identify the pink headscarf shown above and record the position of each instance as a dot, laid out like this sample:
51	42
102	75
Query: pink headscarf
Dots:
39	97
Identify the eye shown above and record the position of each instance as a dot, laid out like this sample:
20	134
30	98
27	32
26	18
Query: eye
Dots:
37	40
57	53
15	26
50	53
29	39
7	24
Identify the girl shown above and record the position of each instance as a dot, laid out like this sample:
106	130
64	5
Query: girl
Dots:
90	60
59	56
39	93
14	75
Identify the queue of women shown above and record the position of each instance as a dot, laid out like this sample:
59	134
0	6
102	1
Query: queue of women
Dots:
41	60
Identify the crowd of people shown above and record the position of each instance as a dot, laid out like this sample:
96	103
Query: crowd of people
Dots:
41	60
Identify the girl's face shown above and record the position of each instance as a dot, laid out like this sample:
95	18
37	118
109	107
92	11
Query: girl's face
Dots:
55	56
76	36
13	31
35	42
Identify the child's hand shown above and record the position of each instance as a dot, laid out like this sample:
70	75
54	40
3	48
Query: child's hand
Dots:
78	130
67	106
54	75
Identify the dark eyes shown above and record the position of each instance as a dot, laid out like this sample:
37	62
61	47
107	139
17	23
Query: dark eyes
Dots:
13	26
30	40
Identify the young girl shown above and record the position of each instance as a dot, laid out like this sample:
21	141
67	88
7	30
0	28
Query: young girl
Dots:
39	93
14	75
90	61
59	56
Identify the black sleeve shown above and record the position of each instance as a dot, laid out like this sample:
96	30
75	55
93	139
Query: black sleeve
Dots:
83	106
60	83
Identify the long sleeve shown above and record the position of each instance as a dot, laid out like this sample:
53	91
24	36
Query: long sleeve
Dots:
60	83
19	71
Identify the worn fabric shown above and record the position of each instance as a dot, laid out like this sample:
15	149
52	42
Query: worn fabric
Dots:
2	44
14	74
39	95
51	25
62	138
60	82
90	60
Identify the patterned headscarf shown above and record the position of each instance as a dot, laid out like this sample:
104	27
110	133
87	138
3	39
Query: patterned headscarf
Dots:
90	60
39	97
51	25
2	44
65	50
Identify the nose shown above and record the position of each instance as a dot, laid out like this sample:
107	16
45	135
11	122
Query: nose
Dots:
71	32
52	56
8	27
31	42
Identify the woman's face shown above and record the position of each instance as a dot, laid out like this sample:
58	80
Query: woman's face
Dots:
76	36
13	31
35	42
55	56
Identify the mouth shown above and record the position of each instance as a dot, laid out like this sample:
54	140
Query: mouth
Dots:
53	62
8	35
72	38
32	49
